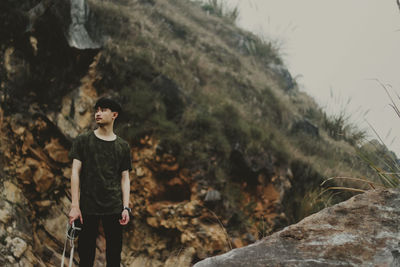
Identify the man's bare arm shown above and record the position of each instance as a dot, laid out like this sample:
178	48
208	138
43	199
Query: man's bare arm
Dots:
75	212
126	188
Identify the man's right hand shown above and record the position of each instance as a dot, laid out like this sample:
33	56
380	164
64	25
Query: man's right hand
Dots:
74	214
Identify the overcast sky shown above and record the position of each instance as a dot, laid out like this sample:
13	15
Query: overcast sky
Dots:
336	48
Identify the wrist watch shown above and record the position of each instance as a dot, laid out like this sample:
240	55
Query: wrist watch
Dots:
128	209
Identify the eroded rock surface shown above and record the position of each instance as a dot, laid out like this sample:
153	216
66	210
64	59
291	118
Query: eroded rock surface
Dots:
363	231
172	225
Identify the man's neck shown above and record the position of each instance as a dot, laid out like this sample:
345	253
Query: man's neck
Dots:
105	132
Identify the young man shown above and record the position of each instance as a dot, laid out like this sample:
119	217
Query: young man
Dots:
100	185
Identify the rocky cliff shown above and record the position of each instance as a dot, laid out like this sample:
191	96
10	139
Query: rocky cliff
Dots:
173	212
212	115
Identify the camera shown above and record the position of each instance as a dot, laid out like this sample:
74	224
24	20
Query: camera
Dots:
74	229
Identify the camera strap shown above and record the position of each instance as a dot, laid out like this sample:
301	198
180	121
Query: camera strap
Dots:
69	235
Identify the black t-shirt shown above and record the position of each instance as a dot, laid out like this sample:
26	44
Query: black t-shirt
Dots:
100	178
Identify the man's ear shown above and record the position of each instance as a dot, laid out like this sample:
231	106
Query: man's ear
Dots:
115	114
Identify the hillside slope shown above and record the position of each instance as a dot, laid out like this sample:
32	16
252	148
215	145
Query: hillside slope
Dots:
226	149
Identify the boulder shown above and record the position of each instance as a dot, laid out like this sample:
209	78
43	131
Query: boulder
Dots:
307	127
43	178
56	151
12	193
362	231
17	246
6	212
288	83
77	34
212	195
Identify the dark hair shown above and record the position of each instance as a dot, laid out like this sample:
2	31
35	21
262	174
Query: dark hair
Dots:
105	102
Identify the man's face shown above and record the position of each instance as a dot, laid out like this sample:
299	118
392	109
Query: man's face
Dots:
104	116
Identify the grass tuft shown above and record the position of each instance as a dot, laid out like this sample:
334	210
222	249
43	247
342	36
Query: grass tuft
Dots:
221	9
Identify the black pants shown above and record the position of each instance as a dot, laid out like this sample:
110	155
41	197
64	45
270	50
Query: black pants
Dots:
88	235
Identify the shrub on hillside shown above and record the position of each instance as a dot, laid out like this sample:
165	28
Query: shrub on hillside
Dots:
220	8
339	128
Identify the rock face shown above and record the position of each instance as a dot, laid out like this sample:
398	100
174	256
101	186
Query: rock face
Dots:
172	207
174	222
363	231
78	35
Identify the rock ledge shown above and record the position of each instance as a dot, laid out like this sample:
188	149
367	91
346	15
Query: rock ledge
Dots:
362	231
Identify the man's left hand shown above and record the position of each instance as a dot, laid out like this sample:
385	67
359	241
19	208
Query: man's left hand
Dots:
125	217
